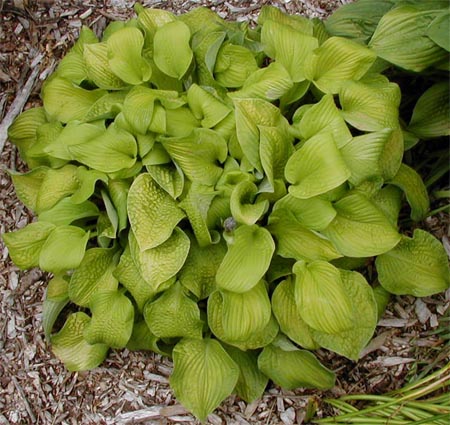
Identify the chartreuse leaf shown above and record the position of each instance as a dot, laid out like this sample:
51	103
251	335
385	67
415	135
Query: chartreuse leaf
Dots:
247	259
98	70
235	317
25	245
439	29
291	368
299	23
72	349
389	200
73	68
118	192
370	104
152	212
203	375
338	60
199	271
198	154
288	317
125	56
87	36
64	101
321	298
408	180
112	319
180	122
23	131
142	339
157	265
244	204
27	185
171	50
316	167
416	266
350	342
289	47
107	107
360	228
94	274
66	212
174	314
252	382
323	116
152	19
56	298
169	177
295	240
382	298
431	113
400	38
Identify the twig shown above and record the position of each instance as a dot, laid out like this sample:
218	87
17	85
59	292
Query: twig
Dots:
25	401
153	412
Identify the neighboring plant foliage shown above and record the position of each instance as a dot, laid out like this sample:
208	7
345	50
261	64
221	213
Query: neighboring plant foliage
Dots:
206	191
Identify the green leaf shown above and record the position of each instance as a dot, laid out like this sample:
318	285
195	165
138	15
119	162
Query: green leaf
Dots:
174	314
338	60
112	319
360	228
23	131
170	178
73	68
408	180
152	212
171	50
389	200
25	245
439	29
203	375
247	259
118	191
288	317
151	19
72	349
244	203
125	56
66	212
350	342
299	23
431	113
417	266
142	339
316	167
94	274
252	382
181	122
400	38
56	298
27	185
291	368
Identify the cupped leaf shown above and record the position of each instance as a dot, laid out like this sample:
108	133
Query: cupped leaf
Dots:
170	178
142	339
174	314
23	131
107	107
94	274
245	207
112	319
66	212
247	259
203	375
152	212
416	266
316	167
291	368
439	29
72	68
27	185
297	22
72	349
56	298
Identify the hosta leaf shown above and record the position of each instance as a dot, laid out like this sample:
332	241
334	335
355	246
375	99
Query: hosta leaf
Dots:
138	108
152	19
287	46
337	60
170	178
439	29
111	151
152	212
87	36
299	23
66	212
174	314
408	180
316	167
203	375
27	185
360	228
23	131
294	240
65	101
252	382
370	104
56	298
247	259
180	122
142	339
350	342
112	319
107	107
292	368
389	200
321	297
25	245
235	317
382	298
72	68
71	348
95	274
124	55
288	317
245	207
118	192
198	154
199	271
416	266
431	113
400	38
171	50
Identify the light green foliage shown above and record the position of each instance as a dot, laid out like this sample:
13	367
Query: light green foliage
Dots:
205	190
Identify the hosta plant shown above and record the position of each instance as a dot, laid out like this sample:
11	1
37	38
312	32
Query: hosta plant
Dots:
213	193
